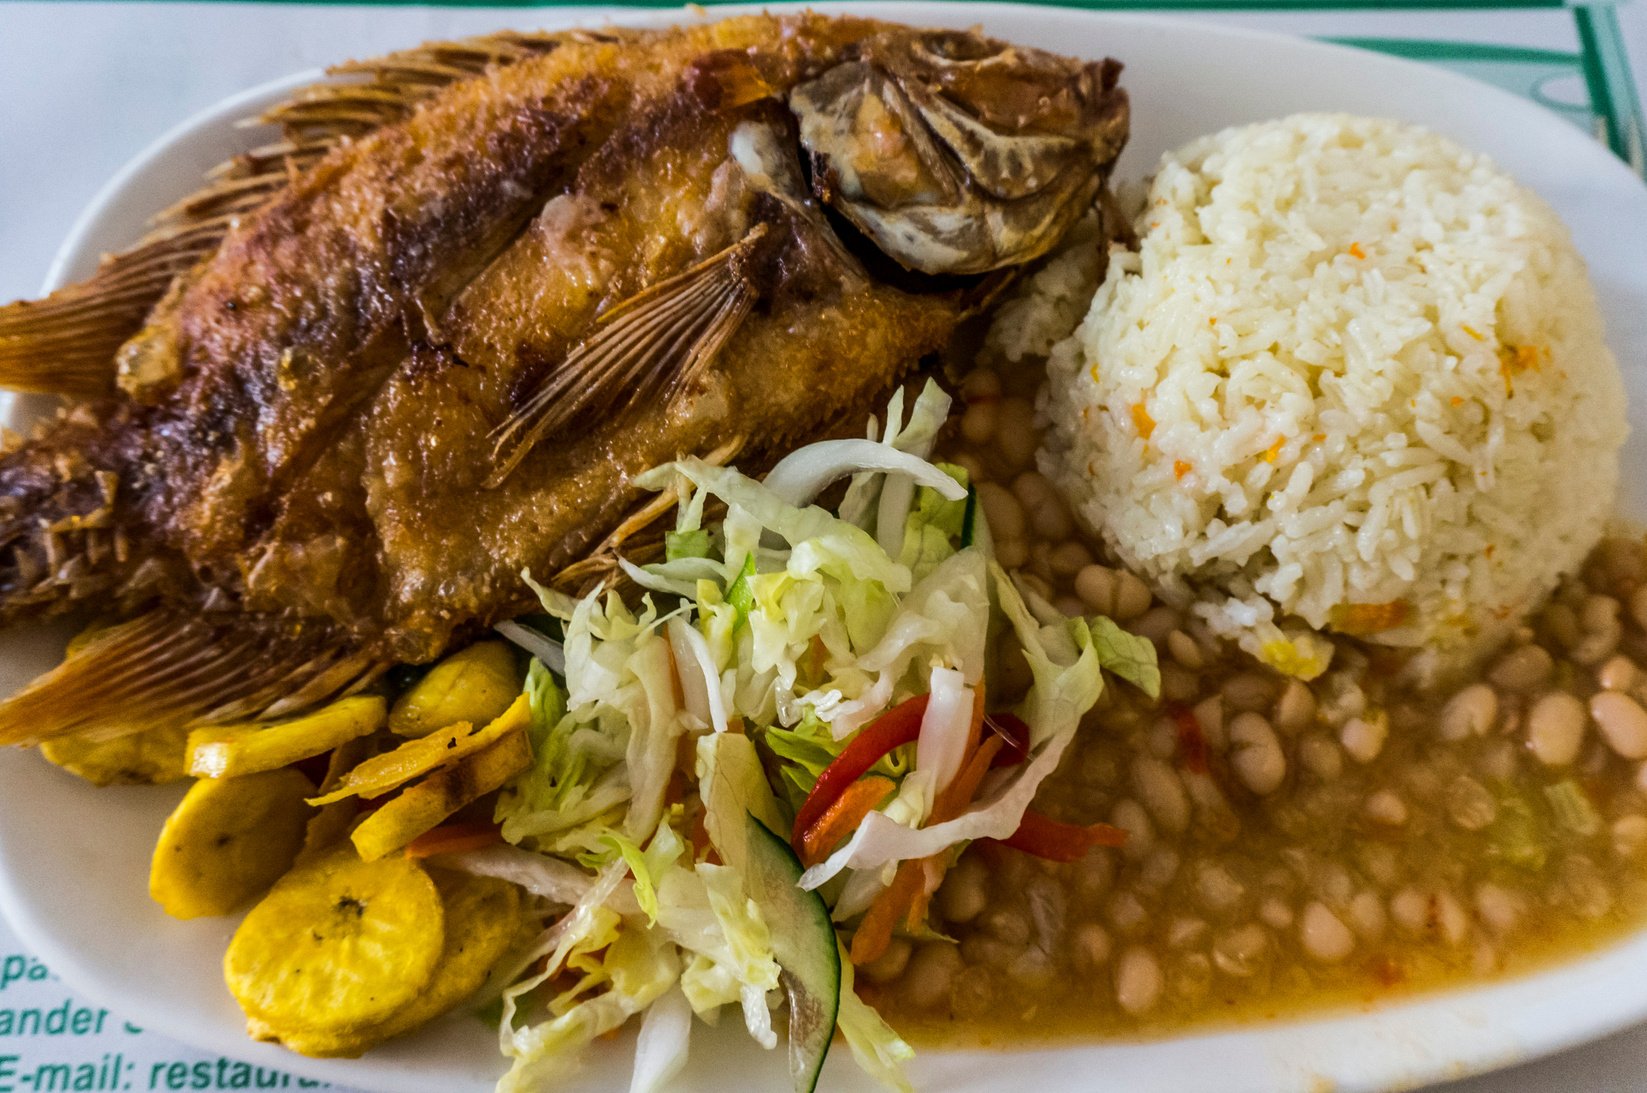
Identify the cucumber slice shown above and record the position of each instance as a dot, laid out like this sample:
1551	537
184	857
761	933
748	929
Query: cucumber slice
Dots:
969	518
803	941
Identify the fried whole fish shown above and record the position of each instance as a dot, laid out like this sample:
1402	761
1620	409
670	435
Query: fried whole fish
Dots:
337	404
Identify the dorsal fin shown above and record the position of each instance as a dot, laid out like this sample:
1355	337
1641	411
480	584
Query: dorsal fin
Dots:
65	344
166	668
645	348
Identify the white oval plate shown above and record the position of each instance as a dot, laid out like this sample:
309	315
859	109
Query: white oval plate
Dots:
74	860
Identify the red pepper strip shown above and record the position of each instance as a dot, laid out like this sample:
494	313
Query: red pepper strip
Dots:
1192	742
857	801
1014	737
898	726
454	839
1056	841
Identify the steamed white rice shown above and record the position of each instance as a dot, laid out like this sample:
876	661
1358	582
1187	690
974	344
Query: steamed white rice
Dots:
1353	378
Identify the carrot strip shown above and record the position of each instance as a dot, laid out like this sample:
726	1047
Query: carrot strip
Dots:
950	803
898	726
975	731
932	875
857	801
954	798
454	839
1055	841
890	907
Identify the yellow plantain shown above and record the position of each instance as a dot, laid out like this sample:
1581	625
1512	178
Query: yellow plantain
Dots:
475	685
223	751
227	841
427	754
426	804
337	945
483	918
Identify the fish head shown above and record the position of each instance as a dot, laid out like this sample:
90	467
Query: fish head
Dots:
959	154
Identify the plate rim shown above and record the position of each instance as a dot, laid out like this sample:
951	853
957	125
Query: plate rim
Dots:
76	249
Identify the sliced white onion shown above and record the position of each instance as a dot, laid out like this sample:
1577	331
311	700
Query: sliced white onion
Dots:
806	472
859	891
551	652
694	693
941	747
700	683
555	880
757	1016
664	1040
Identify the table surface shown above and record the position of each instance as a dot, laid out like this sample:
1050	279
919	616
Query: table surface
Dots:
85	86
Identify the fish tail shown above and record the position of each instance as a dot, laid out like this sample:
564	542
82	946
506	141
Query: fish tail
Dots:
168	668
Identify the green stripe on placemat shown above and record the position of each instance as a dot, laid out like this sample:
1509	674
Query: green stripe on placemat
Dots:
1554	79
1592	88
1612	91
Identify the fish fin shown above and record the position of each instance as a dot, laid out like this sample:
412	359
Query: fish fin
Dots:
637	537
167	668
644	349
360	96
65	344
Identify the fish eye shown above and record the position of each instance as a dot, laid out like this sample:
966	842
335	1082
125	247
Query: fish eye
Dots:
956	47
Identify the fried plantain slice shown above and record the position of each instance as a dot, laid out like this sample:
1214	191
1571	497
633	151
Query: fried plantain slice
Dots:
227	841
223	751
475	685
148	758
483	920
430	801
330	823
338	945
427	754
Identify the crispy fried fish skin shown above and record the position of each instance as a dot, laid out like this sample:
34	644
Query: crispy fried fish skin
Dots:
442	354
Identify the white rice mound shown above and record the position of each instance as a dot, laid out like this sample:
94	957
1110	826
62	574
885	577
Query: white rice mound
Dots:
1354	378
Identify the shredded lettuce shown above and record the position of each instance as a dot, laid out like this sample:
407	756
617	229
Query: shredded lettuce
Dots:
638	968
1064	689
762	643
945	728
741	596
1130	656
645	888
685	544
862	503
881	1052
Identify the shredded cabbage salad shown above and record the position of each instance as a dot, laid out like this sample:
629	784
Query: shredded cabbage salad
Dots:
753	773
